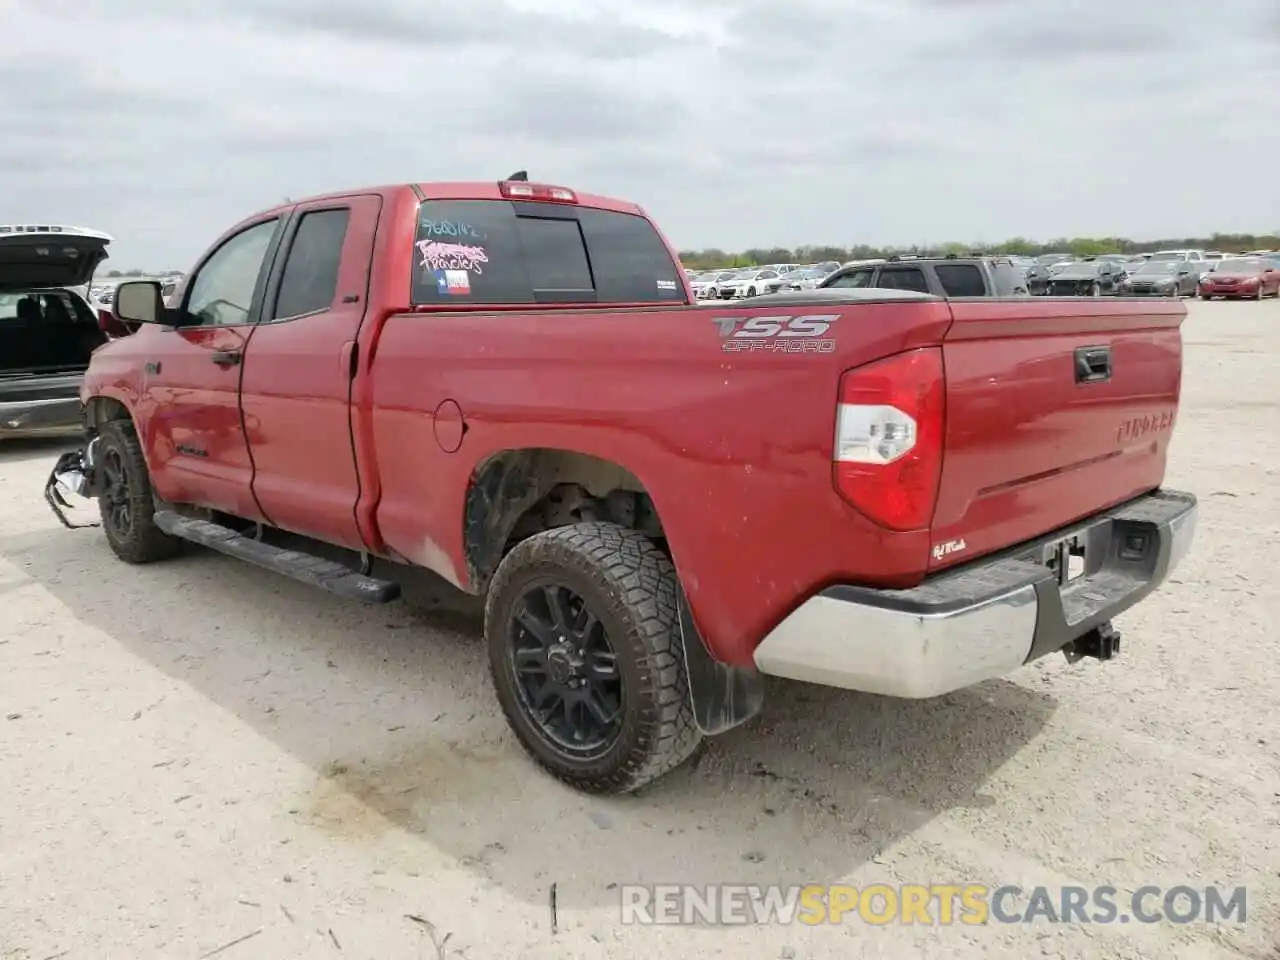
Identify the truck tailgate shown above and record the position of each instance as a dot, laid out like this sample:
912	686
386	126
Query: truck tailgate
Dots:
1051	420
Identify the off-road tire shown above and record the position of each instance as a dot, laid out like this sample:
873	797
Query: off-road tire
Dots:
144	542
630	585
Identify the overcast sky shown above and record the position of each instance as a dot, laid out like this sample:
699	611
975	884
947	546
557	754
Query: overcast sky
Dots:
736	123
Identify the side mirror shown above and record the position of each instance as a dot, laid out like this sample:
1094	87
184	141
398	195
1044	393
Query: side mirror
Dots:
138	301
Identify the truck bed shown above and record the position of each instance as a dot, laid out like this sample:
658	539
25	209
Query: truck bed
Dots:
732	436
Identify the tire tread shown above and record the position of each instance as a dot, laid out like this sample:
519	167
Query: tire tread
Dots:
640	581
147	543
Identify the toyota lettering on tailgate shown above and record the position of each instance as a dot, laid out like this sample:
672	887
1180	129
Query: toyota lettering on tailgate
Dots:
1139	428
807	333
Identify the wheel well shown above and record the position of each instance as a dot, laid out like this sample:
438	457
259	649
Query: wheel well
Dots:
101	410
518	493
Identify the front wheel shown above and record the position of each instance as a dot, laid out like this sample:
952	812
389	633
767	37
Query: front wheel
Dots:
586	656
124	498
751	291
1095	291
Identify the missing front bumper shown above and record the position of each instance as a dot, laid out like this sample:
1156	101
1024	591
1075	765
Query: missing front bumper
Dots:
73	475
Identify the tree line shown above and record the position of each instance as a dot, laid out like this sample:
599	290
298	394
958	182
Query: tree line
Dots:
1079	246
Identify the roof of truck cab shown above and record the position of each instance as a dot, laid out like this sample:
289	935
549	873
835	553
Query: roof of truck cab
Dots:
457	190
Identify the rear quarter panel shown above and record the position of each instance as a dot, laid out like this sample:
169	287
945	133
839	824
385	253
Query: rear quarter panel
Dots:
734	448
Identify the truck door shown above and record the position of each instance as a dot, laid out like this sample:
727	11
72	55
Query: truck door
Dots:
188	413
295	389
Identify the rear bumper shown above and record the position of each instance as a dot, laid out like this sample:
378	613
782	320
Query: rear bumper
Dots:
985	619
46	417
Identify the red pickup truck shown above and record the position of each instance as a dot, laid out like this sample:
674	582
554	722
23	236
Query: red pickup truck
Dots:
510	384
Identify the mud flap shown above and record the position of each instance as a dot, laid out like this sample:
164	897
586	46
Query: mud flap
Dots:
723	696
73	473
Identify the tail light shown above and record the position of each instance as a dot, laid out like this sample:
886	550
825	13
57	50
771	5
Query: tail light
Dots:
522	190
887	461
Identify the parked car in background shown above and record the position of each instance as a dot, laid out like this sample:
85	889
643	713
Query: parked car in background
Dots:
1038	274
1087	278
807	279
1162	278
781	282
49	326
750	283
827	266
707	287
1238	277
941	277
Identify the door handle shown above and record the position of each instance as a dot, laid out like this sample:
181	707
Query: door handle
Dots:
226	358
1093	364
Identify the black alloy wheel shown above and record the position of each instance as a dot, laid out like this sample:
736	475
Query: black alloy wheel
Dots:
126	504
117	509
566	670
586	654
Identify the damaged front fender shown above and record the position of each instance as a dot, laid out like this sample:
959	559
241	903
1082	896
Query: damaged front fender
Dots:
72	474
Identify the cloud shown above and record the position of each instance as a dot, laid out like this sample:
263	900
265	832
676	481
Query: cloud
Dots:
736	124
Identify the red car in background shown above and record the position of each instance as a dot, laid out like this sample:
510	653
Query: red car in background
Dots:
1253	277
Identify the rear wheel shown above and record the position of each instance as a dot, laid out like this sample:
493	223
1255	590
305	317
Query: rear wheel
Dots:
124	498
1095	290
586	656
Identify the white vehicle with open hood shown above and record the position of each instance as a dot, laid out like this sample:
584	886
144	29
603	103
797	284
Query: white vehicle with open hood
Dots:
48	325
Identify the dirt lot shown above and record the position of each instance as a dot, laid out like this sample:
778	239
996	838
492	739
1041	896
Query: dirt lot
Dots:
196	752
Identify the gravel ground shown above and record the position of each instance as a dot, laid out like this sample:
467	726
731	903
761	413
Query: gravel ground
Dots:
197	752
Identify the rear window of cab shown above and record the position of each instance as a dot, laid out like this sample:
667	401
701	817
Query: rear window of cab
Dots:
514	252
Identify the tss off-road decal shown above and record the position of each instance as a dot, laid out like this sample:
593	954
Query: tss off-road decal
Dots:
785	334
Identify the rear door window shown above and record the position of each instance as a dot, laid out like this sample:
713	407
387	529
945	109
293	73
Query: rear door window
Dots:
903	278
961	280
310	278
503	252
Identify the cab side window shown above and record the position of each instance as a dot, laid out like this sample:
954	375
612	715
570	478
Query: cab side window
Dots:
310	278
222	292
855	278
